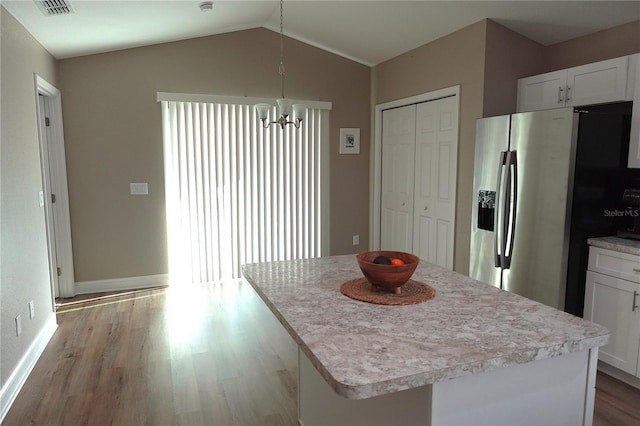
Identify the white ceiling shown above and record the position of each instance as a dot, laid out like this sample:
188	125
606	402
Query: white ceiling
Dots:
369	32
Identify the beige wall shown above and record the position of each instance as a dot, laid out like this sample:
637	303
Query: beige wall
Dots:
612	43
486	59
113	136
24	261
454	59
508	57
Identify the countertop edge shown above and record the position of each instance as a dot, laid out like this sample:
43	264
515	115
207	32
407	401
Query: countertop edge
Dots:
410	382
422	379
618	244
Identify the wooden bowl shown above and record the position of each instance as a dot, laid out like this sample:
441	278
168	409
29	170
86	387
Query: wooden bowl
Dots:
388	276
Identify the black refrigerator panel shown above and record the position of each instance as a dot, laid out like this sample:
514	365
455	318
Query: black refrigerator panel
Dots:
600	178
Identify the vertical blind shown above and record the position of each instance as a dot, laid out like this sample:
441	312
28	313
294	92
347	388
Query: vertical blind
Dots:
237	193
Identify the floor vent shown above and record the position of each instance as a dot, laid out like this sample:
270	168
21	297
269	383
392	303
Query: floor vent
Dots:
54	7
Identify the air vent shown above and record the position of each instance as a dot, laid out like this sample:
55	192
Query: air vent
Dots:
54	7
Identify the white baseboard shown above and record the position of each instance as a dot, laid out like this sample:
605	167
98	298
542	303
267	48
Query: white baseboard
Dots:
20	374
619	374
118	284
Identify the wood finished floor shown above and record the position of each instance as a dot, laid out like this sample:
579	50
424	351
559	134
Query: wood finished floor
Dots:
212	356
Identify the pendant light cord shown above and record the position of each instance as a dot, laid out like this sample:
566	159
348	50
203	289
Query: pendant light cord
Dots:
281	70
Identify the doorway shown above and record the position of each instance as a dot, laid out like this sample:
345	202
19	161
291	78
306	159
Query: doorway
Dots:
415	169
55	195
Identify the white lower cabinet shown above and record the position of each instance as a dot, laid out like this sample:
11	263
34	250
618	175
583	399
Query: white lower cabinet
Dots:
615	303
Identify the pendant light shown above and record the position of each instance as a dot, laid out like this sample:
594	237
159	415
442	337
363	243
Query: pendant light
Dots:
286	108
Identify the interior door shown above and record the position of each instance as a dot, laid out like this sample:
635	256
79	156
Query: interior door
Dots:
398	150
54	172
47	197
435	181
419	170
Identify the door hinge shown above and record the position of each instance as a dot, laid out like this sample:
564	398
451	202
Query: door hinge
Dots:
59	271
47	123
53	198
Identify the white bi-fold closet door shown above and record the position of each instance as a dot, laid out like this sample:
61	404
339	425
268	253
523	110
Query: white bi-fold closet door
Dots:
419	159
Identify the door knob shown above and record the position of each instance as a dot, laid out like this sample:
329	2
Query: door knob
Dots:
426	208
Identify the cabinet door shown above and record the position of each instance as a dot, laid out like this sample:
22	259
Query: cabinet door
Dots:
544	91
609	302
597	83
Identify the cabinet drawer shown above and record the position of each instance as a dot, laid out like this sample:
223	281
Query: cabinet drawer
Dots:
615	264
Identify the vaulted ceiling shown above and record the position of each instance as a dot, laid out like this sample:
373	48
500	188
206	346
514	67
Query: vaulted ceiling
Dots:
369	32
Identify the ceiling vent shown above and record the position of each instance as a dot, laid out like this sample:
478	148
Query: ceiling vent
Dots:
54	7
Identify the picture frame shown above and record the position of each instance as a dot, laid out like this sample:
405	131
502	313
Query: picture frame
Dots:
349	140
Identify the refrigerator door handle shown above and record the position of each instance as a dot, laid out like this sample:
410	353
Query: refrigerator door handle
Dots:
499	218
504	212
512	207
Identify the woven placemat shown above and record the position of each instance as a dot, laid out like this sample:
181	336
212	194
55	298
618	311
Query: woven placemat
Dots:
412	292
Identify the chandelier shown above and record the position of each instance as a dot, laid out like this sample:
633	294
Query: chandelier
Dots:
285	106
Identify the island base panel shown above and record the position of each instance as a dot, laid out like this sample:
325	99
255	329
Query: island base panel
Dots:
319	404
557	391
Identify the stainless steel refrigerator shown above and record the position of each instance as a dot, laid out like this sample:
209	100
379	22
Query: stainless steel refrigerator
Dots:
523	196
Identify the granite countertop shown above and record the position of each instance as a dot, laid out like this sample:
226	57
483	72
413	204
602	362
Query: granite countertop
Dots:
623	245
363	350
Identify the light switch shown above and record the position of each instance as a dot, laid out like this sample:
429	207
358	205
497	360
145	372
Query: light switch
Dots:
139	188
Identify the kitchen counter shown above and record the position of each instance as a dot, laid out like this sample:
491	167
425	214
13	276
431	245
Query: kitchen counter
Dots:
623	245
364	350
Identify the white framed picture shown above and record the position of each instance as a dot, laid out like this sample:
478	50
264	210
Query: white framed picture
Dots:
350	141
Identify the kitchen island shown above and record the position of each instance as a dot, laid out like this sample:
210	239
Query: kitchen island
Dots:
474	354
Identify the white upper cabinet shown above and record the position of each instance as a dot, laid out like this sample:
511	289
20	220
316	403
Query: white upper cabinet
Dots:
614	80
544	91
596	83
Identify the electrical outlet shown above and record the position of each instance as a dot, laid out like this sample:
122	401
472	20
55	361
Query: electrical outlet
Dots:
356	240
18	325
32	309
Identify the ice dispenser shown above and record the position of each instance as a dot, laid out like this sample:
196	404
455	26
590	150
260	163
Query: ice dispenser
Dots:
486	209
